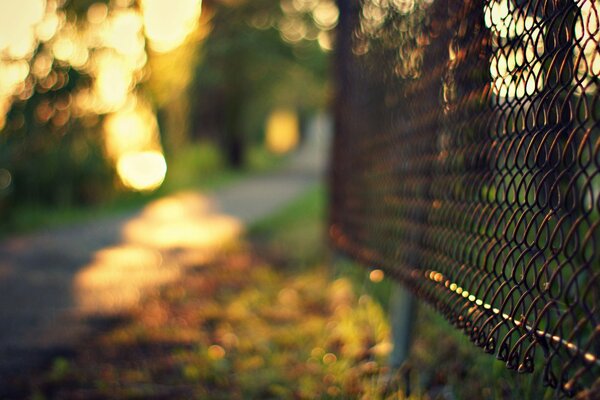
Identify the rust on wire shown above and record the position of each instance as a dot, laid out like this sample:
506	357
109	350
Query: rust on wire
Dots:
466	164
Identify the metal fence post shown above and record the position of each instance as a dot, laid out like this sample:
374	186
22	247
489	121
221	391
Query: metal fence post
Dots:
402	313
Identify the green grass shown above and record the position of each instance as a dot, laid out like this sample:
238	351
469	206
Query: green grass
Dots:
297	232
443	357
198	166
442	360
306	210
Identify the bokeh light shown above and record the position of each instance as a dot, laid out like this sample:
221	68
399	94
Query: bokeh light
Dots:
131	129
168	23
515	69
39	43
17	26
23	24
5	178
132	141
183	221
283	132
306	20
586	54
326	14
376	275
144	170
113	82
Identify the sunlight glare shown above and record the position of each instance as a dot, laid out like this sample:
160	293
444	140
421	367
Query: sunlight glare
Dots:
168	23
131	129
498	17
132	141
22	25
17	23
97	13
587	54
113	81
118	60
124	33
142	171
515	68
11	75
326	14
47	27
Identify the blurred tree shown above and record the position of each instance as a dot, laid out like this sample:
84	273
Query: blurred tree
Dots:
52	144
169	86
52	158
248	68
51	155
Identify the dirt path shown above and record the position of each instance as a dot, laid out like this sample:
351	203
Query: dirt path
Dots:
54	284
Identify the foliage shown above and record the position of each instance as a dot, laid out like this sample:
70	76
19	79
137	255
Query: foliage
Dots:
51	151
294	236
53	159
247	69
444	360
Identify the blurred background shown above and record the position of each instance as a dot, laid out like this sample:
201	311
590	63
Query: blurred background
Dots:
106	104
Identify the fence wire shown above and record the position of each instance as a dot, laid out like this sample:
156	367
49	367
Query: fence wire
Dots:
467	165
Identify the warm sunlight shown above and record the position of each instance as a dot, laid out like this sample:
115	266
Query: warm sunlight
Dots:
168	23
587	55
132	129
132	141
177	207
282	131
142	171
117	65
100	288
516	69
185	224
113	81
184	221
326	15
22	25
17	26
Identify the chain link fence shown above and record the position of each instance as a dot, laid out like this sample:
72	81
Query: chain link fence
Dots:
466	164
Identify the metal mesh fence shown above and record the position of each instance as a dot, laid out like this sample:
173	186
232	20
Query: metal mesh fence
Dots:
467	165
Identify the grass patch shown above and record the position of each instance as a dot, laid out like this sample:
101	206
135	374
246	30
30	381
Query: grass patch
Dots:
443	362
295	234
